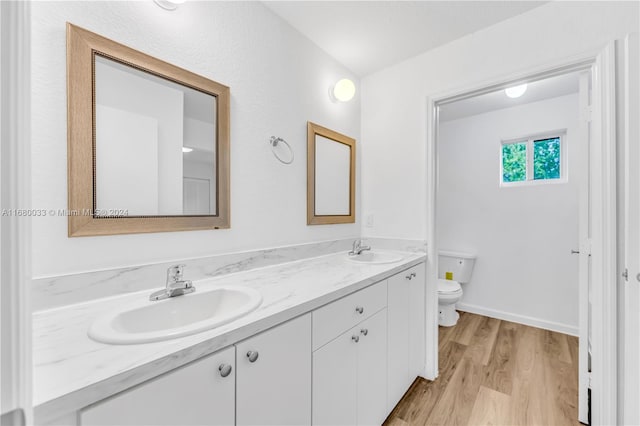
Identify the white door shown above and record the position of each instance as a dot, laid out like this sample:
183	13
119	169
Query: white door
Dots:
584	249
335	376
201	393
196	194
372	370
274	376
598	269
631	136
604	275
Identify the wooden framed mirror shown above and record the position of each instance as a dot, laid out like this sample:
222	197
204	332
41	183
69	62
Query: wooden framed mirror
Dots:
148	142
331	171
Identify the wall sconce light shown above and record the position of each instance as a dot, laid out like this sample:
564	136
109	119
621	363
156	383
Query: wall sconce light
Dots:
342	91
169	4
516	91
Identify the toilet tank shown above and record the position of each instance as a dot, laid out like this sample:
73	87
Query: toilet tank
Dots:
459	265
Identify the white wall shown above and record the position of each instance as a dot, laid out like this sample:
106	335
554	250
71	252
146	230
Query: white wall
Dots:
199	164
130	90
522	235
126	162
199	134
394	100
278	81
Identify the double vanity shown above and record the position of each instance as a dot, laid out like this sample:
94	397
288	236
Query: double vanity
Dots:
333	339
308	334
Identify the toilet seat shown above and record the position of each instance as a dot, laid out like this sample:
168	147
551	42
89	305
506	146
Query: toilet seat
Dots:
448	286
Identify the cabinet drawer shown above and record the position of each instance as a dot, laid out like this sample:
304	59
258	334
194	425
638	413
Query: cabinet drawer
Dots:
337	317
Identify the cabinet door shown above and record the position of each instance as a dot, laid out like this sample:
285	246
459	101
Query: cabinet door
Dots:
335	381
275	387
372	370
417	318
398	339
196	394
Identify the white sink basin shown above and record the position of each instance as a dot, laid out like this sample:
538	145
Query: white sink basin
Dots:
148	321
376	257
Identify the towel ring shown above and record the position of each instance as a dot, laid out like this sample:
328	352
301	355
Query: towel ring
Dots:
274	141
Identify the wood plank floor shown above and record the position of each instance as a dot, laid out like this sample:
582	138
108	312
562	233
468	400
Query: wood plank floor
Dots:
495	372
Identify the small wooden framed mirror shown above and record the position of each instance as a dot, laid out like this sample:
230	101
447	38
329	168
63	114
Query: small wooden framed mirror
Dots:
331	171
148	142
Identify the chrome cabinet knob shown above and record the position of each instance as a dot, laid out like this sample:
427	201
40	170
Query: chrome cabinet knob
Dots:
252	355
408	277
355	338
359	309
364	331
225	370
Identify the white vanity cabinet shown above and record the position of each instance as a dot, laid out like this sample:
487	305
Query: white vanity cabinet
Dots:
406	322
345	363
349	371
263	380
273	378
200	393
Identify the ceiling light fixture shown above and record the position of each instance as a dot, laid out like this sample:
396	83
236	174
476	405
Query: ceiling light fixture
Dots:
169	4
342	91
185	149
516	91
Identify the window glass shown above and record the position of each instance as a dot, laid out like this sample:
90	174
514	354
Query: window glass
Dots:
514	162
546	158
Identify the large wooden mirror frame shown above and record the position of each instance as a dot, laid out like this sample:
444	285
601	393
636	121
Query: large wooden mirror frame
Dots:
331	171
82	48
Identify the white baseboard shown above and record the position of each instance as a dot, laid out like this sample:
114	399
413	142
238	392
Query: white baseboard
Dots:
521	319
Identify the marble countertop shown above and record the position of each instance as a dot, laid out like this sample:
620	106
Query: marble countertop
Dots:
72	371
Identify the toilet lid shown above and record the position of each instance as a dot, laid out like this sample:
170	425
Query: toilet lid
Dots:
448	286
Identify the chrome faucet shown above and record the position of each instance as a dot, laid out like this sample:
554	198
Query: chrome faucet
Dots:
176	286
358	248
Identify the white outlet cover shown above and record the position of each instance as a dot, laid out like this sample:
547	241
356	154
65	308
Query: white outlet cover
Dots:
369	221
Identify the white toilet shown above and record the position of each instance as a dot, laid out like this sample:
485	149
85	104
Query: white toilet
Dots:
454	268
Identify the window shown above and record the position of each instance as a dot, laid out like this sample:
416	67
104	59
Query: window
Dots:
535	159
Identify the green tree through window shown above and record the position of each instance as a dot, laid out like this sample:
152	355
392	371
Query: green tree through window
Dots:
514	162
546	158
534	158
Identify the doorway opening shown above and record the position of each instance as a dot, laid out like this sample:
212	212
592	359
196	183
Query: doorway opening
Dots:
597	207
513	194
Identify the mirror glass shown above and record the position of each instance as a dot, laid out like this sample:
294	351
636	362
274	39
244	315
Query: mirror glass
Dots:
155	144
332	177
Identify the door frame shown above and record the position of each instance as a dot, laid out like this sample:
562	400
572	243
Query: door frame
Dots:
15	182
603	195
631	230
